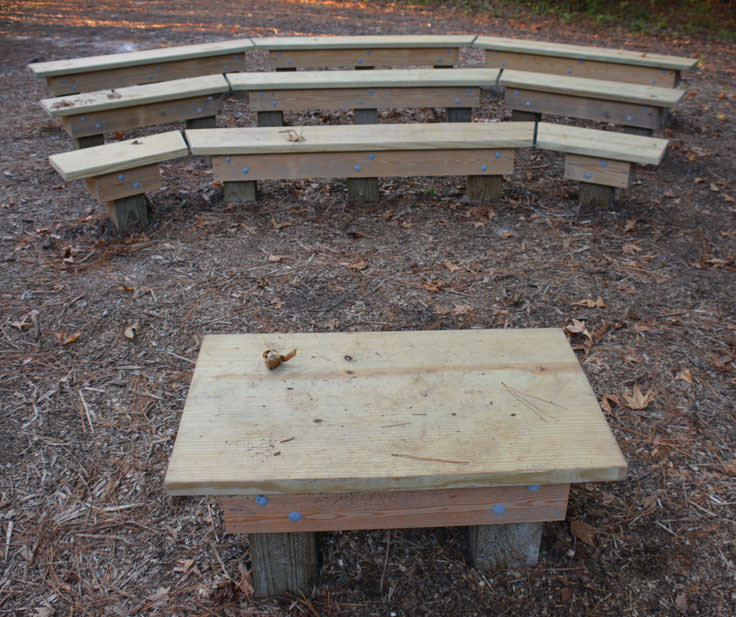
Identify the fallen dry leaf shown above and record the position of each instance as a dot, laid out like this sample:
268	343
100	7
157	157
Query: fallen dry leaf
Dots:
160	599
44	611
358	265
433	285
682	602
275	258
65	339
609	401
590	303
685	375
451	266
462	309
583	532
636	400
631	248
130	331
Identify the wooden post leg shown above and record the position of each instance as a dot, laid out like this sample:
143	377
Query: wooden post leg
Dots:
88	141
484	189
366	116
525	116
283	562
364	190
596	195
493	547
128	212
271	118
286	68
459	114
240	191
364	68
638	130
443	66
208	122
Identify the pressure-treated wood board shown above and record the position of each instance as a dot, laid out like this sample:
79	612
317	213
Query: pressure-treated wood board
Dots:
376	57
134	58
499	505
118	156
379	78
364	98
378	411
358	42
597	171
144	74
592	88
645	75
401	163
580	52
110	187
627	114
601	144
360	138
132	96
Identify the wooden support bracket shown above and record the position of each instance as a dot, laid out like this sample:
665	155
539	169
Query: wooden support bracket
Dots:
391	57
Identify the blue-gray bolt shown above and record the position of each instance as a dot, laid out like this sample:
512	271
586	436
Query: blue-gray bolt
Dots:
199	110
484	168
150	77
587	175
368	52
227	159
360	101
533	488
209	98
98	126
136	185
603	163
356	167
260	94
63	81
371	156
121	177
360	60
503	63
245	170
499	509
75	88
295	517
498	155
83	119
527	104
457	101
371	91
273	103
569	71
628	118
261	500
158	68
227	67
516	92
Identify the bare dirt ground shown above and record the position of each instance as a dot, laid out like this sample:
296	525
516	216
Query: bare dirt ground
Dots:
88	417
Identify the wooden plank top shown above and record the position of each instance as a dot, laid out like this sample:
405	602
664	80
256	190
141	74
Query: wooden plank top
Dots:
362	42
135	58
120	155
132	96
376	411
581	52
602	144
592	88
381	78
361	137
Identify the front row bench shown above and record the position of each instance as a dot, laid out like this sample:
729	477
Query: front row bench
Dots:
121	173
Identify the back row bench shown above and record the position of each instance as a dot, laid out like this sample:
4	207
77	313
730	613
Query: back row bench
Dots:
121	173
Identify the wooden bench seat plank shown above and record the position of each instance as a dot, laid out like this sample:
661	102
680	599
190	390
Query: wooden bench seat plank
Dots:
381	411
135	58
381	78
396	509
361	138
132	96
601	144
364	41
592	88
118	156
580	52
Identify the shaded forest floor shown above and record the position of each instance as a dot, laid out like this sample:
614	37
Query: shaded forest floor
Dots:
88	416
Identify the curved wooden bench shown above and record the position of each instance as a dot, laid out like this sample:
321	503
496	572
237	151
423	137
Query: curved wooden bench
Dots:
582	61
120	173
87	116
631	105
292	52
600	160
140	67
242	156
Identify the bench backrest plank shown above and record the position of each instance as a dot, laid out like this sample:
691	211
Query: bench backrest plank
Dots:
360	42
132	96
118	156
358	138
601	144
592	88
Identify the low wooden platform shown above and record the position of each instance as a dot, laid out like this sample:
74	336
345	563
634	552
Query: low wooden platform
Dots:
390	429
582	61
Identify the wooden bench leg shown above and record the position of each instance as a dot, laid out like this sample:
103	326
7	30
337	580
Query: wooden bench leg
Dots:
270	118
484	189
364	190
493	547
88	141
518	115
596	195
459	114
129	212
283	562
208	122
240	191
638	130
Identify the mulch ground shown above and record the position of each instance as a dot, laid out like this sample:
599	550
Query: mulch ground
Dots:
88	415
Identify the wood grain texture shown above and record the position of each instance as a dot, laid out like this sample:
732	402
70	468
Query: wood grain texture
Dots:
129	212
365	41
574	106
381	411
395	510
144	74
355	98
379	78
111	120
348	138
133	96
120	155
601	144
644	75
283	562
136	58
399	163
597	171
113	186
580	52
504	546
376	57
592	88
